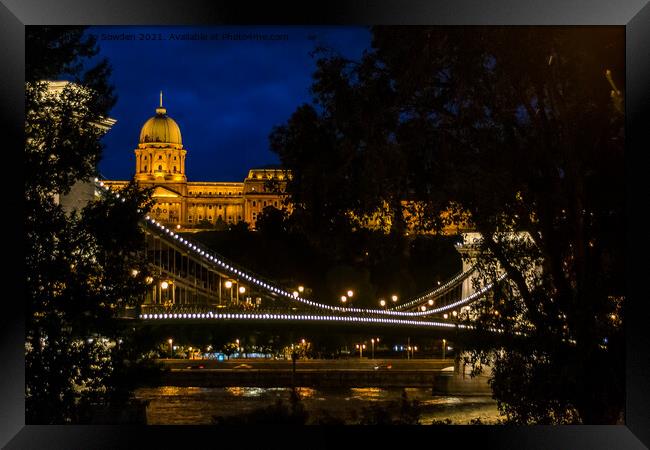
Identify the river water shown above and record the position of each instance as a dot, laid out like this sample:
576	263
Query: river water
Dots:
168	405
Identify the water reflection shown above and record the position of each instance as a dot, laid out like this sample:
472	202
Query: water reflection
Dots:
371	394
195	406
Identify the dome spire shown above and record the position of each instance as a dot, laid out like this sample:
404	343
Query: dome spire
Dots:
161	110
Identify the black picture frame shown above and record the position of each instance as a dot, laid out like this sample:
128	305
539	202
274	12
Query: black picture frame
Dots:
634	15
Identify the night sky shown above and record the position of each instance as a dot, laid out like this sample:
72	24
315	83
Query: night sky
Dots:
226	95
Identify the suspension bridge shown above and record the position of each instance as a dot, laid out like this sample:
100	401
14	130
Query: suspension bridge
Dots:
193	284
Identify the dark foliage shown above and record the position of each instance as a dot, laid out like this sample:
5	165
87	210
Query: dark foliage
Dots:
520	127
82	267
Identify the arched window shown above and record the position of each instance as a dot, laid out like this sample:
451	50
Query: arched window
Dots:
145	168
159	167
174	168
159	156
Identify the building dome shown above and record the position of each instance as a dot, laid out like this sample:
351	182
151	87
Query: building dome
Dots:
160	128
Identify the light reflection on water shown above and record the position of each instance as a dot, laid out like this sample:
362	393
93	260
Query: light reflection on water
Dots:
197	405
370	394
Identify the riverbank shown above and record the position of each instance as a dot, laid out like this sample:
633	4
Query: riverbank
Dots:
436	375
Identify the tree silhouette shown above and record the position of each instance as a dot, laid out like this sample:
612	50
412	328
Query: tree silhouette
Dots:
522	129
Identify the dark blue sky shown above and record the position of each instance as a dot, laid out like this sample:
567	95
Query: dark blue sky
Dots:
226	95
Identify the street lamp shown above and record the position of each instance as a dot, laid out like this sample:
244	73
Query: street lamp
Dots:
444	346
164	285
394	298
228	285
171	347
343	299
431	302
350	293
445	315
423	308
361	347
295	293
382	302
301	289
372	342
242	289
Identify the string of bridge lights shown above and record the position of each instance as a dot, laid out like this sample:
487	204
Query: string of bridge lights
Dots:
459	277
299	317
229	267
315	318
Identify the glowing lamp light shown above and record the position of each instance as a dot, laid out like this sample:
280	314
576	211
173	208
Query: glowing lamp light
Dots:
301	288
394	298
164	285
350	293
242	289
454	313
423	308
228	284
382	303
344	298
178	227
445	315
430	302
295	293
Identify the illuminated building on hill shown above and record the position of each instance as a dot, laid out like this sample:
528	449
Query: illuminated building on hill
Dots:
160	163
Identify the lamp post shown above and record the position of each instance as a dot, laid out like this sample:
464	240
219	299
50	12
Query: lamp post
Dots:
372	343
444	346
228	285
361	347
171	348
240	290
164	285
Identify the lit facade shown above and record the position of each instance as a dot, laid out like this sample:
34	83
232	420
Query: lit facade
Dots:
160	163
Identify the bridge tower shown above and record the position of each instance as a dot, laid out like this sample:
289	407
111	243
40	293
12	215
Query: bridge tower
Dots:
468	249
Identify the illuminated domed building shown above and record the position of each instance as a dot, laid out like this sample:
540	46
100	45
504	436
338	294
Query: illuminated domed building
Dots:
160	163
